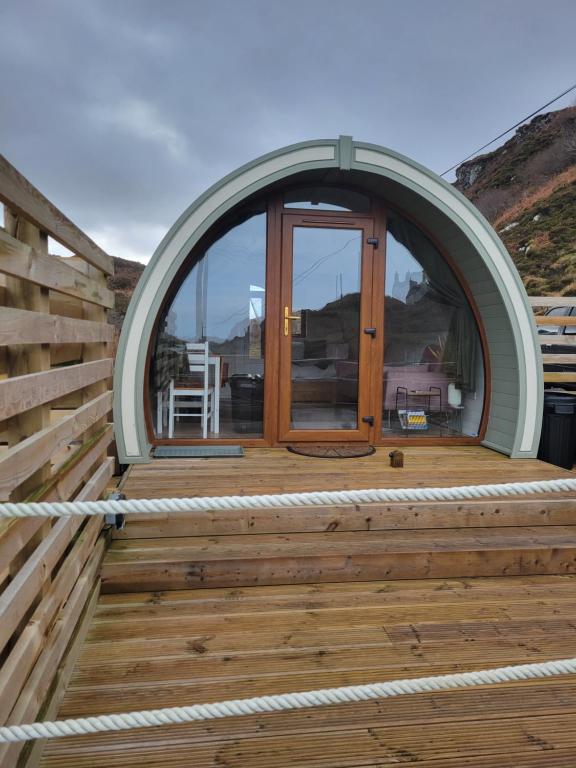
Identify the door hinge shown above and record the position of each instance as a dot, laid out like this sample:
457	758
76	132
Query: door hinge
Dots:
373	241
368	420
370	331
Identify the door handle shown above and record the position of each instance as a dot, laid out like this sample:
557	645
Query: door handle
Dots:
287	318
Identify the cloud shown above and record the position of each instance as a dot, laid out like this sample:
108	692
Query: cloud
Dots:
141	120
136	241
122	113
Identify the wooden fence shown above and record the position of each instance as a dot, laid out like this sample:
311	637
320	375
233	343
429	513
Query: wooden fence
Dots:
559	337
55	400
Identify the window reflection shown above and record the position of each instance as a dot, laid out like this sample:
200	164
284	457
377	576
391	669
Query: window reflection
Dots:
433	367
215	391
325	348
327	199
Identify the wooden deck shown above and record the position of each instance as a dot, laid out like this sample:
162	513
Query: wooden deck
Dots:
275	470
345	542
226	605
163	649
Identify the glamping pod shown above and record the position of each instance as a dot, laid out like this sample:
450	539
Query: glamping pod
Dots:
331	291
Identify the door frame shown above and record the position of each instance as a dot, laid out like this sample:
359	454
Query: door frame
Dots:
345	220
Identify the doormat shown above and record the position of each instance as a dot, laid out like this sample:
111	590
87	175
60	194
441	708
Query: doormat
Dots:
197	451
333	451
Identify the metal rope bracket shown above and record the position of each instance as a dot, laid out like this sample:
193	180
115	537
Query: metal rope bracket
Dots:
116	519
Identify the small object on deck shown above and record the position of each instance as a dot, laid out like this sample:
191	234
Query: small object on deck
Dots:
197	451
396	458
333	451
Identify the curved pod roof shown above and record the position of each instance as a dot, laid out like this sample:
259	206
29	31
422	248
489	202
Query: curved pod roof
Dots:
515	414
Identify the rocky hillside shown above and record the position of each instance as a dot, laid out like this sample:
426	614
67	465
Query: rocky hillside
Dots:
527	190
122	282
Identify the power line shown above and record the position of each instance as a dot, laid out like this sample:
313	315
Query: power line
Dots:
516	125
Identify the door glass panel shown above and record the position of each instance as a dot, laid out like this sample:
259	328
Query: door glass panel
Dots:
326	273
433	364
220	302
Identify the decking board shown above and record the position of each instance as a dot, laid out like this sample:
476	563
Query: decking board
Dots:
240	561
275	470
160	649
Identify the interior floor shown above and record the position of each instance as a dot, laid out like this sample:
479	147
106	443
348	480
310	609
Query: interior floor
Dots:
246	423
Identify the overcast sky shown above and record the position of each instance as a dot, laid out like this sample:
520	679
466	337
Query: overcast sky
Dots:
123	111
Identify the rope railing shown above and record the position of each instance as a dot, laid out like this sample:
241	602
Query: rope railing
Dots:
311	498
283	702
289	701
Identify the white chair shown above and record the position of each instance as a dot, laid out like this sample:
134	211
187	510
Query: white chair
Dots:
193	401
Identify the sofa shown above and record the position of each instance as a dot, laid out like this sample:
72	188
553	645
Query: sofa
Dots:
421	377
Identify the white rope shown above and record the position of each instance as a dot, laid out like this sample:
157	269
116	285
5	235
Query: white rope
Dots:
312	498
283	702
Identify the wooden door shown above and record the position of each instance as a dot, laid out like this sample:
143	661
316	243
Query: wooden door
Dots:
326	333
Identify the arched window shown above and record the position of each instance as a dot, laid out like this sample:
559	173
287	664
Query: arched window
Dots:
208	358
206	372
433	365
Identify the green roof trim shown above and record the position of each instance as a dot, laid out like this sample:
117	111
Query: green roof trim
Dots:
517	438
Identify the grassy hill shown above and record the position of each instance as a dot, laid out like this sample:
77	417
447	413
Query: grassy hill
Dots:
527	190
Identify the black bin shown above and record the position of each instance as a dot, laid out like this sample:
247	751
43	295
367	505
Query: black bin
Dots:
558	439
247	402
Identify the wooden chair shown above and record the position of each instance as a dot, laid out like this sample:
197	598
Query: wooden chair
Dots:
193	399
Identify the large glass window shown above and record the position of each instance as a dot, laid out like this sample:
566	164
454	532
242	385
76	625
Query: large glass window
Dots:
206	374
433	366
207	366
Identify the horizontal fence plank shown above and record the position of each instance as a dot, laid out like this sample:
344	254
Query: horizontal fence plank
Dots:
61	354
552	377
21	326
20	260
19	595
22	393
14	536
552	301
70	476
18	463
553	359
40	682
558	338
96	486
63	675
67	306
28	646
555	320
23	198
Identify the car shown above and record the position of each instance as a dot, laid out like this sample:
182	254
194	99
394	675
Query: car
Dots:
557	333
